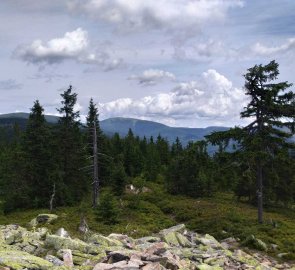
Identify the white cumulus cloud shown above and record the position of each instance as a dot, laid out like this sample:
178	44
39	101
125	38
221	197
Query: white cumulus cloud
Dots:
160	14
153	76
73	45
261	49
211	97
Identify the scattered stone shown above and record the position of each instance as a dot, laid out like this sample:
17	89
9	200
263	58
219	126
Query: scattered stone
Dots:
56	242
54	260
11	234
68	258
274	247
103	266
62	233
178	228
252	241
282	255
131	189
101	240
174	248
153	266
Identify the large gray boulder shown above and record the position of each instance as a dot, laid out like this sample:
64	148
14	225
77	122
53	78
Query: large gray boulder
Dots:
43	219
18	260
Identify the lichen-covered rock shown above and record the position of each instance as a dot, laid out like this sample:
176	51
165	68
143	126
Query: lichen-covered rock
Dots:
104	241
173	248
80	258
56	242
182	240
178	228
252	241
171	239
207	240
148	239
43	219
54	260
46	218
18	260
11	234
208	267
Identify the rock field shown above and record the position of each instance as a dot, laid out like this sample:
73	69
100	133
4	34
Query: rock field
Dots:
172	248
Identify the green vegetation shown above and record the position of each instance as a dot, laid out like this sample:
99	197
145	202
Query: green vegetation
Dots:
140	215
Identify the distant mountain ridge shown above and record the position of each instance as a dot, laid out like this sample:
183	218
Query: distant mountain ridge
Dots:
22	115
146	128
122	125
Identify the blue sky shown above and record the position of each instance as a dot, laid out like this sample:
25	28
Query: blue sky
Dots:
179	62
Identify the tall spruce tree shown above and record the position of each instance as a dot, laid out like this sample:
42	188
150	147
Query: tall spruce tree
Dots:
272	112
15	193
72	153
38	157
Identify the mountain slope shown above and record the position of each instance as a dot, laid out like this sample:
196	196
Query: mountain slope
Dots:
21	115
121	125
143	128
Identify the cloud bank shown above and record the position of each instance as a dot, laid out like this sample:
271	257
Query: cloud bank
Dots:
171	15
211	97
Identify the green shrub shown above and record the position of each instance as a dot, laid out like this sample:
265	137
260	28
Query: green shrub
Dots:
107	210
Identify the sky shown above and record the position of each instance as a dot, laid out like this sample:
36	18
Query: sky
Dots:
178	62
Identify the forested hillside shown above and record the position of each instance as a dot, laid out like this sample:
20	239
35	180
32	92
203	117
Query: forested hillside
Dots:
121	125
63	165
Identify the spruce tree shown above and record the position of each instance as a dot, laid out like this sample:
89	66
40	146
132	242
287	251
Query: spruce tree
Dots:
272	112
38	156
71	151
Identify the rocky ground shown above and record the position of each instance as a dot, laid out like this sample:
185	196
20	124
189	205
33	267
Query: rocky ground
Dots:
173	248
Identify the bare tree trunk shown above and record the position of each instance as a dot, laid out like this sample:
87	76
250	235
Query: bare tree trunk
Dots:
260	192
52	198
95	170
83	227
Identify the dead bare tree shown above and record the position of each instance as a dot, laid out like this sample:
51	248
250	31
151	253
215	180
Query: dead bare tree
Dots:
52	198
95	169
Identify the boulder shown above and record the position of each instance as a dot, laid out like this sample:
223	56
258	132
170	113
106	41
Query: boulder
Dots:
68	258
148	239
43	219
54	260
56	242
153	266
103	266
208	240
171	239
101	240
205	266
182	240
253	242
157	249
11	234
62	233
178	228
18	260
80	258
